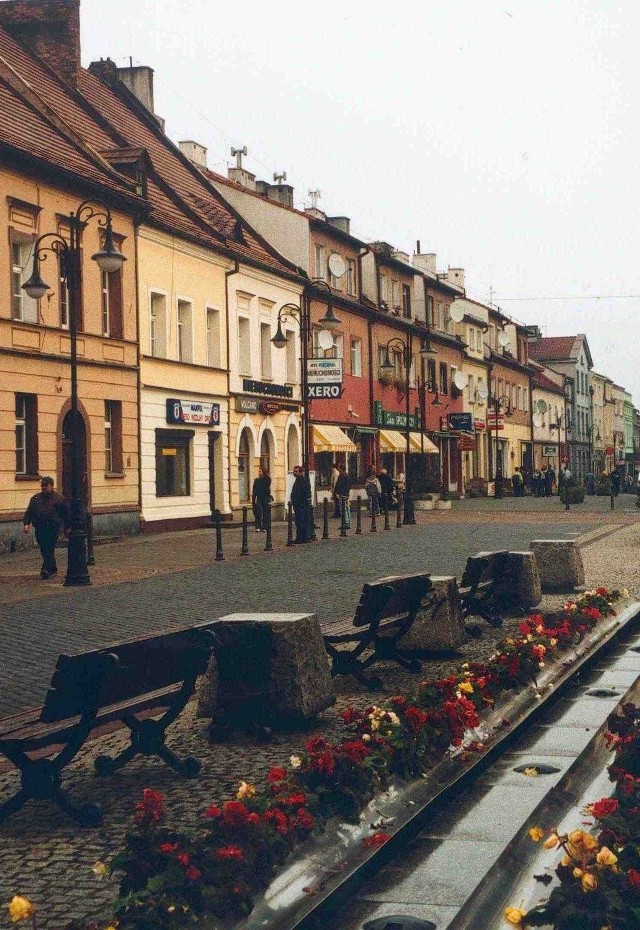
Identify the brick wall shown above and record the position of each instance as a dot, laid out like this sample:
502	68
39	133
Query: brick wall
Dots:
50	29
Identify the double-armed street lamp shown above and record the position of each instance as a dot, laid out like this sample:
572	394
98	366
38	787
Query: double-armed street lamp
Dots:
396	345
501	404
109	259
302	315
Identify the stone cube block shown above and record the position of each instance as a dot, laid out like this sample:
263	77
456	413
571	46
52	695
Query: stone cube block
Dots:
439	626
559	564
519	586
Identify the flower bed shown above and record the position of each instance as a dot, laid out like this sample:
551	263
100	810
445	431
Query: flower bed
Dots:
171	878
599	872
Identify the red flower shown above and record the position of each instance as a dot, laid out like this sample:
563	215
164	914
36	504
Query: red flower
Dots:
602	592
213	811
193	874
276	775
350	715
603	807
316	744
183	859
415	719
235	814
303	820
378	839
295	800
278	819
324	762
399	701
355	751
151	807
633	878
230	852
524	628
168	848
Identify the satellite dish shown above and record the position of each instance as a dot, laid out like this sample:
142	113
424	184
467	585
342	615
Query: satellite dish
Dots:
503	339
325	339
456	313
460	380
542	406
337	265
537	419
483	391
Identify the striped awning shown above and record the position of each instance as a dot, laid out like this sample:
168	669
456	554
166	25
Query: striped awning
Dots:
421	443
330	438
392	441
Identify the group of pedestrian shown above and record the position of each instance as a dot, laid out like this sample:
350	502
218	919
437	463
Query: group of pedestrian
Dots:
380	488
543	480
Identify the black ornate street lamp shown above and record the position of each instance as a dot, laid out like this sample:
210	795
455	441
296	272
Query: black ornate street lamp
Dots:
109	259
501	404
302	315
405	350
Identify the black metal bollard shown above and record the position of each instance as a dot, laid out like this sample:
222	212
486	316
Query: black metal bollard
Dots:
312	524
289	524
343	518
268	546
385	507
566	499
374	527
325	518
358	515
245	532
89	524
613	500
218	523
399	512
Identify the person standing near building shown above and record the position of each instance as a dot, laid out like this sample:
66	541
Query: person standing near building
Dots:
335	472
387	488
614	478
516	483
549	479
48	514
342	490
260	499
301	503
374	490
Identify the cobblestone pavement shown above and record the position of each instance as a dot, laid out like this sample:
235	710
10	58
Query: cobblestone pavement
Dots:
46	857
327	575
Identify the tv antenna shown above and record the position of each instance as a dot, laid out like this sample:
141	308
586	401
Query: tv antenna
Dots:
315	197
238	153
279	178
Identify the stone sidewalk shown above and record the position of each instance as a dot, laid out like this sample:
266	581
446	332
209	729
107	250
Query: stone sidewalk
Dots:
49	859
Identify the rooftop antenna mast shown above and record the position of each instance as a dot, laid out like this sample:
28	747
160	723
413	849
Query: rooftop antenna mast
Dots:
238	153
279	178
315	196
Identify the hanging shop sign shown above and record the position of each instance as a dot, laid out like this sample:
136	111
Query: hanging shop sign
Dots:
324	371
479	425
463	422
266	387
255	405
394	419
193	411
609	450
495	421
324	391
549	451
467	443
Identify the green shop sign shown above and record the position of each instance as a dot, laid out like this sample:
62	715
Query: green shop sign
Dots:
394	419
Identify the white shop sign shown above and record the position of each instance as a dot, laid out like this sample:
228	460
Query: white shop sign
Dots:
324	371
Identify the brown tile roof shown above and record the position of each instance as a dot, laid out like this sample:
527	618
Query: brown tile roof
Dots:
552	348
540	380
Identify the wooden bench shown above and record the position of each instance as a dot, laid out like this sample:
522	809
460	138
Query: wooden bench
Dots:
119	682
385	613
480	581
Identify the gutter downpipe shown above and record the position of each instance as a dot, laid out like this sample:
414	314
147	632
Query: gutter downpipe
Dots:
139	380
361	255
227	275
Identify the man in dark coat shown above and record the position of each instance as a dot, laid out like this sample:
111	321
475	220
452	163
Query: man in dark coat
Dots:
342	489
549	478
387	487
48	514
301	503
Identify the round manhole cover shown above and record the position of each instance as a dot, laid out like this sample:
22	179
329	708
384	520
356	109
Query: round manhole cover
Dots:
536	768
603	692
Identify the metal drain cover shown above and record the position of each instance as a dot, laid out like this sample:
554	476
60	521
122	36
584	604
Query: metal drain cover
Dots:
399	923
603	692
540	768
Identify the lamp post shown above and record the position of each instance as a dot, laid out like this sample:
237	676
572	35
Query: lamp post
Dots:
498	403
405	350
109	259
302	315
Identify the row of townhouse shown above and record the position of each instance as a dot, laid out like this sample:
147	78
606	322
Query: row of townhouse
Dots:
182	392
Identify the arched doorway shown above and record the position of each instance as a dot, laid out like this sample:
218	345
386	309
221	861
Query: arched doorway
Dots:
265	453
67	454
244	466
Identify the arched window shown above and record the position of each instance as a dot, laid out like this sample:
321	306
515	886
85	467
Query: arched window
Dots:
265	453
244	467
293	448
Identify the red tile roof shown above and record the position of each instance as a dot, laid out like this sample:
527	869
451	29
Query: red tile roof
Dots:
552	348
540	380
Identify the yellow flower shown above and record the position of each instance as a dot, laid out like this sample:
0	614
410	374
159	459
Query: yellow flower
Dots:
589	882
20	909
536	834
580	838
566	861
99	869
514	915
606	857
578	873
245	791
467	686
531	771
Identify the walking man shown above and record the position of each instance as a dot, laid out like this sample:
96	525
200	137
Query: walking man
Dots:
47	513
301	503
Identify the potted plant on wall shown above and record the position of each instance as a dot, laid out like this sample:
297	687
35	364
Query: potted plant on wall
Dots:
385	376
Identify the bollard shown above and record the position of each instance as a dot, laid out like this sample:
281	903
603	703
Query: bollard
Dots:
268	546
343	521
399	513
289	524
612	500
89	523
245	532
566	499
325	519
385	505
219	552
358	515
374	528
312	524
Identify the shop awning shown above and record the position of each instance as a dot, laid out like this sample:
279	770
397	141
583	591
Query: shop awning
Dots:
392	441
330	438
421	443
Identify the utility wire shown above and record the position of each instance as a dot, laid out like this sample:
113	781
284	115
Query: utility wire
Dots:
577	297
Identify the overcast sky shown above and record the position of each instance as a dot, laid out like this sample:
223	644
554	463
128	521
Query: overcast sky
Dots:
502	135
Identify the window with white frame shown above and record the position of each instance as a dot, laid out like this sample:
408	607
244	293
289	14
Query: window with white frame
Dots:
384	288
185	332
23	307
320	262
351	277
265	351
244	345
214	354
26	426
113	436
356	357
158	325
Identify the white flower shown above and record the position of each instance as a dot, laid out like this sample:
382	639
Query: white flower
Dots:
395	720
365	737
295	762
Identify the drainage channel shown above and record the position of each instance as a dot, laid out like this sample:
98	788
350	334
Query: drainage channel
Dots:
455	873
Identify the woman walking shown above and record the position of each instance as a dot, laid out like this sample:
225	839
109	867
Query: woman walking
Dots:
261	498
373	489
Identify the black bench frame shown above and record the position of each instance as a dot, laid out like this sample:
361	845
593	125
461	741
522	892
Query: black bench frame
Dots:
482	575
94	688
386	612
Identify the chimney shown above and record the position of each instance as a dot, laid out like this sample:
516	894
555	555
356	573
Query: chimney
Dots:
343	223
50	29
425	261
139	80
242	177
279	193
194	152
455	276
400	256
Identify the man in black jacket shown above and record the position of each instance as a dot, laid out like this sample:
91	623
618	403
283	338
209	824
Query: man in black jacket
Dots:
301	503
47	513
